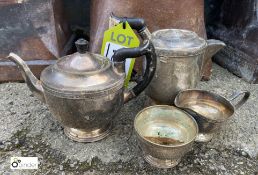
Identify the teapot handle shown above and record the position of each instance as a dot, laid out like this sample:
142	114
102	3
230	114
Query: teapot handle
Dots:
151	62
137	24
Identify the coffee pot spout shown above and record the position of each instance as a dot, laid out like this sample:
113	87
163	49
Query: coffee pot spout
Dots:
212	48
32	82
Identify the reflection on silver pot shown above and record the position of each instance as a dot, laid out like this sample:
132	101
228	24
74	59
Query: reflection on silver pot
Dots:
85	91
209	109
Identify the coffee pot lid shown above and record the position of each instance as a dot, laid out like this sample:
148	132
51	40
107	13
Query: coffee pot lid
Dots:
81	73
177	42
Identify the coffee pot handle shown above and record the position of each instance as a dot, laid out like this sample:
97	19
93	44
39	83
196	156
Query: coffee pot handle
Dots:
242	100
151	62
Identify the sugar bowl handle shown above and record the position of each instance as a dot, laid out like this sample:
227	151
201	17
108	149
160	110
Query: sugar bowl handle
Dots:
242	100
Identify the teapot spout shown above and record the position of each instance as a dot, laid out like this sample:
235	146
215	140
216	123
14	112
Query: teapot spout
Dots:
32	82
213	47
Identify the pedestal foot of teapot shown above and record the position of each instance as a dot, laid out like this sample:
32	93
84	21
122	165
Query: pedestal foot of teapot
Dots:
84	136
204	137
159	163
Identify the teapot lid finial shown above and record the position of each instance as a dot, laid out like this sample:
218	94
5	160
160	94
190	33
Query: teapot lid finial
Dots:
82	45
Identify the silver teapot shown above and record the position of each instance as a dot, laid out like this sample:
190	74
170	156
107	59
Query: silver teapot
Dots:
85	91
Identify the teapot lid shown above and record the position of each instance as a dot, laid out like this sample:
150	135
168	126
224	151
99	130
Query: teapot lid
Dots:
177	42
81	74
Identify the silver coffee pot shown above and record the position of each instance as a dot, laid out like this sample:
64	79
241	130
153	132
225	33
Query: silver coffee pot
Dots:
181	55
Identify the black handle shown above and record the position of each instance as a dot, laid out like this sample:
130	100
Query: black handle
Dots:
135	23
151	62
121	54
